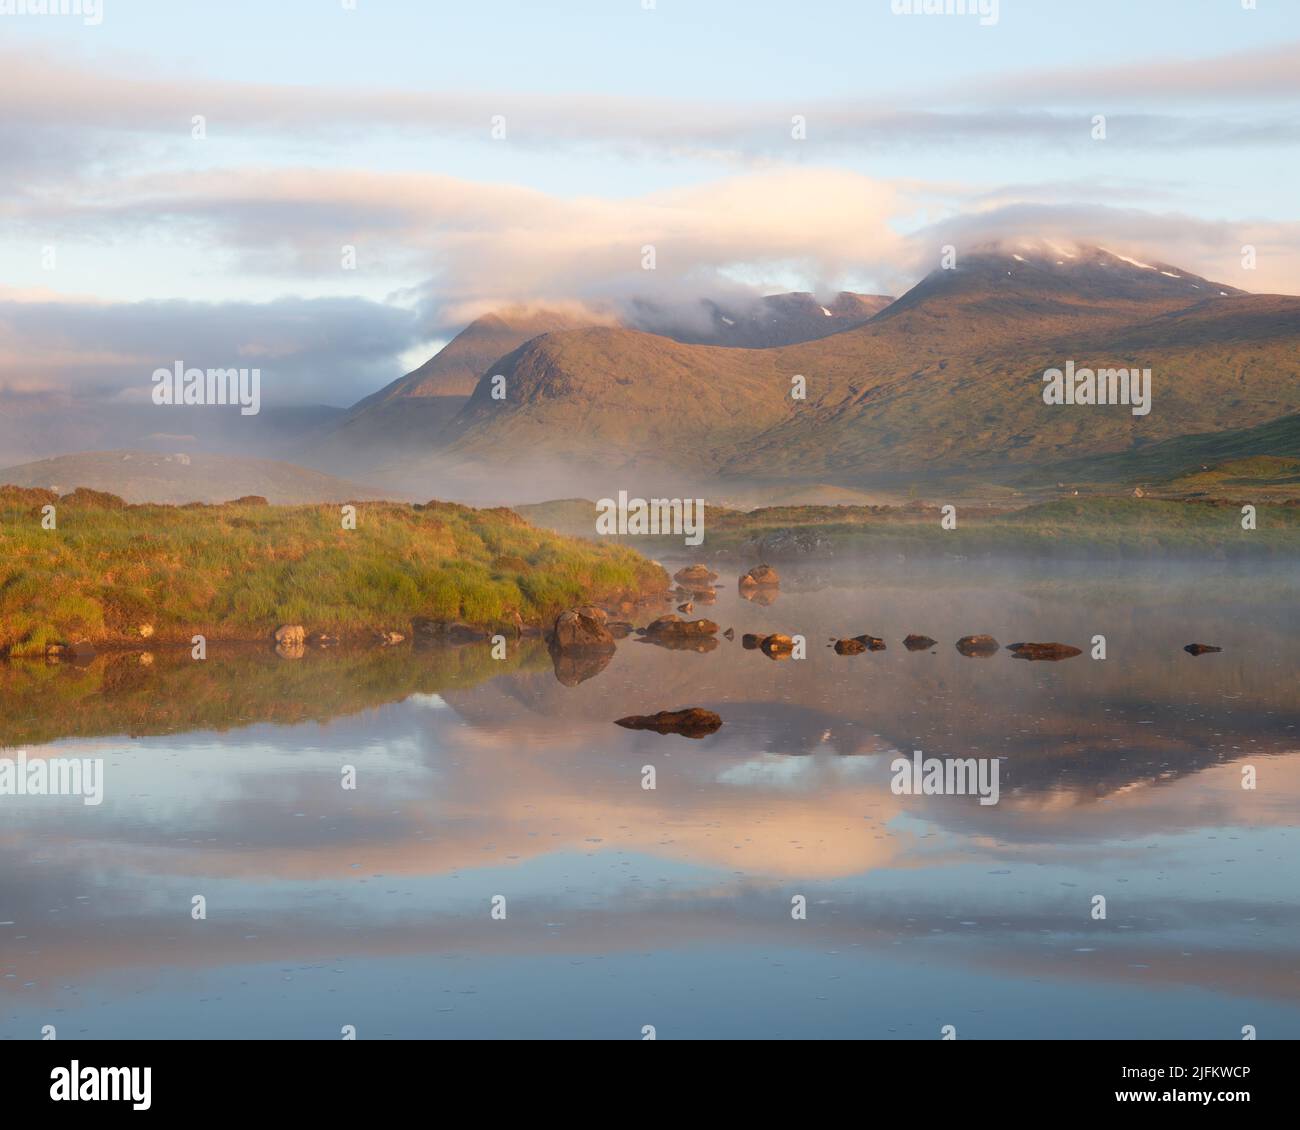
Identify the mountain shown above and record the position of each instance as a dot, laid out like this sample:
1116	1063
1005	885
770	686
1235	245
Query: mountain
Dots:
414	412
144	476
946	380
764	323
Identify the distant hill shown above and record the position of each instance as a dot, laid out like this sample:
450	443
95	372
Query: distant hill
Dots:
141	476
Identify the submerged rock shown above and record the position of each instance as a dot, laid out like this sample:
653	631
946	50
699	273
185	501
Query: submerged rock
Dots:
849	647
977	647
763	596
919	643
751	642
1051	651
1201	648
692	722
871	643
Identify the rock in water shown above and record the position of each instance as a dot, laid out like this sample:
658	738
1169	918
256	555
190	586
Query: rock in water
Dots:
760	576
849	647
977	647
695	575
730	633
871	643
693	722
578	630
777	646
919	643
1201	648
751	642
1051	651
290	635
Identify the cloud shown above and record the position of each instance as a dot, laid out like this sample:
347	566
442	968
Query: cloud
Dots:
478	245
1254	76
81	103
310	350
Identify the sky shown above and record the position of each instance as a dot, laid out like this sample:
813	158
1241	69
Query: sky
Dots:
133	236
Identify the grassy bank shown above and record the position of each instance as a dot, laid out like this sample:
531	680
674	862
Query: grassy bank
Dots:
117	574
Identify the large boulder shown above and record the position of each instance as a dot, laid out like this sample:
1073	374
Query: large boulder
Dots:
287	635
581	629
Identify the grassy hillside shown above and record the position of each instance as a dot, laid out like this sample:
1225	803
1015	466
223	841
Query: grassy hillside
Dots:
1184	458
239	571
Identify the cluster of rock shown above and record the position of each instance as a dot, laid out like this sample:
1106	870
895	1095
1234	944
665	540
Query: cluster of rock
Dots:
974	647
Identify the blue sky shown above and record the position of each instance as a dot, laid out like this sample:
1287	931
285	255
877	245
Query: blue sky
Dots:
369	128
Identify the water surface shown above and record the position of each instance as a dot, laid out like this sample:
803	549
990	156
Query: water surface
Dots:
671	907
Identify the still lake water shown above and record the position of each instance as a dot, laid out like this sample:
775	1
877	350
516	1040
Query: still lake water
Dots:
627	907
